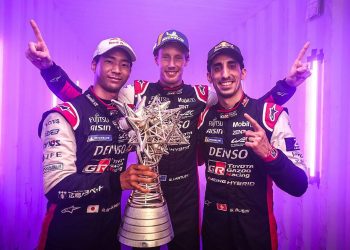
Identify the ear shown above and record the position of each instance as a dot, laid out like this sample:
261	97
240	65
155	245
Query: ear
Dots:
187	58
93	66
244	73
209	77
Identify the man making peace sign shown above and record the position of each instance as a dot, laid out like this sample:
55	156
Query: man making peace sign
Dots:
247	144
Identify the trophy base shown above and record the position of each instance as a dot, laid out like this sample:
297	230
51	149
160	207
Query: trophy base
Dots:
146	227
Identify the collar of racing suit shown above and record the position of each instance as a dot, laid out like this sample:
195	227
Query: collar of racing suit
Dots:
106	103
169	88
244	100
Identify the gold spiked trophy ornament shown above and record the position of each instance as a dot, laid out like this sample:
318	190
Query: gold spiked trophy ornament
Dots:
146	221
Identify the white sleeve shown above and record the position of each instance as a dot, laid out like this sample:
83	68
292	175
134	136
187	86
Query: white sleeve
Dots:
212	99
59	150
127	94
283	138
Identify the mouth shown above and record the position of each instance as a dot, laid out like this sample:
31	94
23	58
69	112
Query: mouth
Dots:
171	73
227	83
115	79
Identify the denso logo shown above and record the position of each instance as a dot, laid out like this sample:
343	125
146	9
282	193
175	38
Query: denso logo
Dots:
110	149
228	153
241	124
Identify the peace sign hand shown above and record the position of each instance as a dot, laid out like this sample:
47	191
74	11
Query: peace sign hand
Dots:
257	139
299	71
37	52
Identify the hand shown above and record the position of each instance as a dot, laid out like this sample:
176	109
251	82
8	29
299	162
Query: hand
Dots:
136	174
37	52
257	139
299	71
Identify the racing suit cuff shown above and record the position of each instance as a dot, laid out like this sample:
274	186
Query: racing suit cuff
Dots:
51	72
275	164
285	86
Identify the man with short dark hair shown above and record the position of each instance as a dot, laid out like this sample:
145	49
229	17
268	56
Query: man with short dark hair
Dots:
84	158
252	147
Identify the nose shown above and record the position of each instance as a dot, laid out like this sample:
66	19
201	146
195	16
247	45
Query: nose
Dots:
171	63
116	69
225	72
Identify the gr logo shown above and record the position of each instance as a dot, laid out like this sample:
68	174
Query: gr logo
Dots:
216	167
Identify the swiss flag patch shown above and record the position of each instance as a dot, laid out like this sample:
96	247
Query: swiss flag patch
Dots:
69	112
202	92
270	114
140	86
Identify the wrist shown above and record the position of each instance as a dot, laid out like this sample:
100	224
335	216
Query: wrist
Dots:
288	82
271	155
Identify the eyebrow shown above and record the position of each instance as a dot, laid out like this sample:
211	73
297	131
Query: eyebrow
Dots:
217	64
114	58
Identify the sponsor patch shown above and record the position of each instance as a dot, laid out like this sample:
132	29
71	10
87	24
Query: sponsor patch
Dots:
215	140
99	138
216	167
162	177
53	167
52	132
291	144
106	210
52	143
241	124
91	209
228	115
221	207
70	209
216	123
55	121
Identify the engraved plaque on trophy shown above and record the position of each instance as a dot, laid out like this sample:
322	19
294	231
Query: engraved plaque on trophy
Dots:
146	222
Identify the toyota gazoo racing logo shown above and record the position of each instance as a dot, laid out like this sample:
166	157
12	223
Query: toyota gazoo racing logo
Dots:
216	167
98	168
106	164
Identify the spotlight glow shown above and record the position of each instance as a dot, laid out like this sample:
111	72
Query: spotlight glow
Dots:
1	84
54	101
311	118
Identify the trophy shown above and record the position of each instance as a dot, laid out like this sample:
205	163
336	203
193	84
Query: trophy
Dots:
146	222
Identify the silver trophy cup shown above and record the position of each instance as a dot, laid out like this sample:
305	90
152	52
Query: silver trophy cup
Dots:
146	222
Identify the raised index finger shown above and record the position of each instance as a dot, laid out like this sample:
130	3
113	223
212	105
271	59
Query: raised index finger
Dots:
36	30
254	123
302	51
